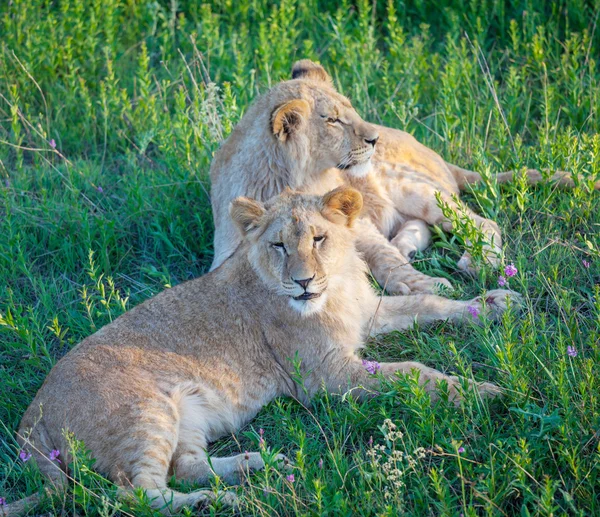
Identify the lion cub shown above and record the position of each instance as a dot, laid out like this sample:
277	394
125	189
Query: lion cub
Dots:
150	391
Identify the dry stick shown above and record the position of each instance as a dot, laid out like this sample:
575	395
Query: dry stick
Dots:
481	61
39	89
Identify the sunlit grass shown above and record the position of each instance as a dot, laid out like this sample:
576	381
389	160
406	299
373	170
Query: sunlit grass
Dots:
110	112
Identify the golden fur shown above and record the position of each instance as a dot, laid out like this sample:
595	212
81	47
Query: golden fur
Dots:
302	134
399	180
148	392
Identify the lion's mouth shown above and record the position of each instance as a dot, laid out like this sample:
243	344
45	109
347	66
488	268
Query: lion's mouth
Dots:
307	296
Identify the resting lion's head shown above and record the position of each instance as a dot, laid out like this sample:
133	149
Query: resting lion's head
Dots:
298	244
308	117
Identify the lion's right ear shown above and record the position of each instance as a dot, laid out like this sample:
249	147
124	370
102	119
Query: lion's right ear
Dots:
246	213
305	68
342	205
289	118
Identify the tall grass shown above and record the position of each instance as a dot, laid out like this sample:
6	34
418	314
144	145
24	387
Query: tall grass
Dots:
110	112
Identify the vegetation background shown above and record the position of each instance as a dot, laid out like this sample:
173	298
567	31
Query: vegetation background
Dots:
110	112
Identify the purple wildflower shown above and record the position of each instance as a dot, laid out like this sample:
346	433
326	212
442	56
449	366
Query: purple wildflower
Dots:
461	450
2	501
320	463
571	351
52	143
371	366
502	281
25	456
371	441
586	264
290	478
100	189
473	311
54	454
261	441
510	270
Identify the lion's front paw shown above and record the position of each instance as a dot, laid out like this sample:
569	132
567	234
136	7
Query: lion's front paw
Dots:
467	264
496	302
396	287
456	394
430	285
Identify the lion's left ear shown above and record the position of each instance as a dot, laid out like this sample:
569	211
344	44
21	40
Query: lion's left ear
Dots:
289	118
246	213
342	205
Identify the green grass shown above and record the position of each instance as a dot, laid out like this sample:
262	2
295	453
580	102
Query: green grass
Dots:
137	95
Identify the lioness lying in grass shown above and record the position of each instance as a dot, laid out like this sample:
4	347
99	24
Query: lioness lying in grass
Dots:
305	135
149	392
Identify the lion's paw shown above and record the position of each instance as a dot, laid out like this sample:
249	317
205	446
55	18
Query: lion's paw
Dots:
430	285
497	301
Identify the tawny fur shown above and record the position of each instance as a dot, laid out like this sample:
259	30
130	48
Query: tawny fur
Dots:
148	392
399	180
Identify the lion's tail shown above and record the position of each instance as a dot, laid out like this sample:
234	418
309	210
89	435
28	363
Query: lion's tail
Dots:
38	443
465	177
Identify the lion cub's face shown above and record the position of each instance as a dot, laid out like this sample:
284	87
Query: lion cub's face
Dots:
310	117
298	243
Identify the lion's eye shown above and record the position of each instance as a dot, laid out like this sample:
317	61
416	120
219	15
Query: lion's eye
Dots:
278	245
319	238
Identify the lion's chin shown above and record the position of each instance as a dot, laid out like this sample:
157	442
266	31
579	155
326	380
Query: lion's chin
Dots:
360	170
309	306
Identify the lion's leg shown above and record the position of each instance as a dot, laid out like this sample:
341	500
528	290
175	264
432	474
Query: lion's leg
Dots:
413	236
466	177
195	466
419	200
190	461
389	267
462	176
149	449
401	312
359	378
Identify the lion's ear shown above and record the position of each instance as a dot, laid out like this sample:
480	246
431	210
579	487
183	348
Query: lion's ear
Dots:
246	213
342	205
289	118
305	68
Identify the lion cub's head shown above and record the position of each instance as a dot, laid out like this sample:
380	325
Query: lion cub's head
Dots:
298	244
312	120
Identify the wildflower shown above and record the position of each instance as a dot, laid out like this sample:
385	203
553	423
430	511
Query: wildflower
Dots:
290	478
320	463
510	270
52	143
586	264
502	281
246	455
54	454
461	449
2	501
24	455
261	441
473	311
571	351
371	366
100	189
371	441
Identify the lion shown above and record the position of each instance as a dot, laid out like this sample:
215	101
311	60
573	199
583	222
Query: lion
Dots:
303	134
148	392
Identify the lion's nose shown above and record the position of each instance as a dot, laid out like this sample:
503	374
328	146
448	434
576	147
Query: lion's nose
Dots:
304	283
372	141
